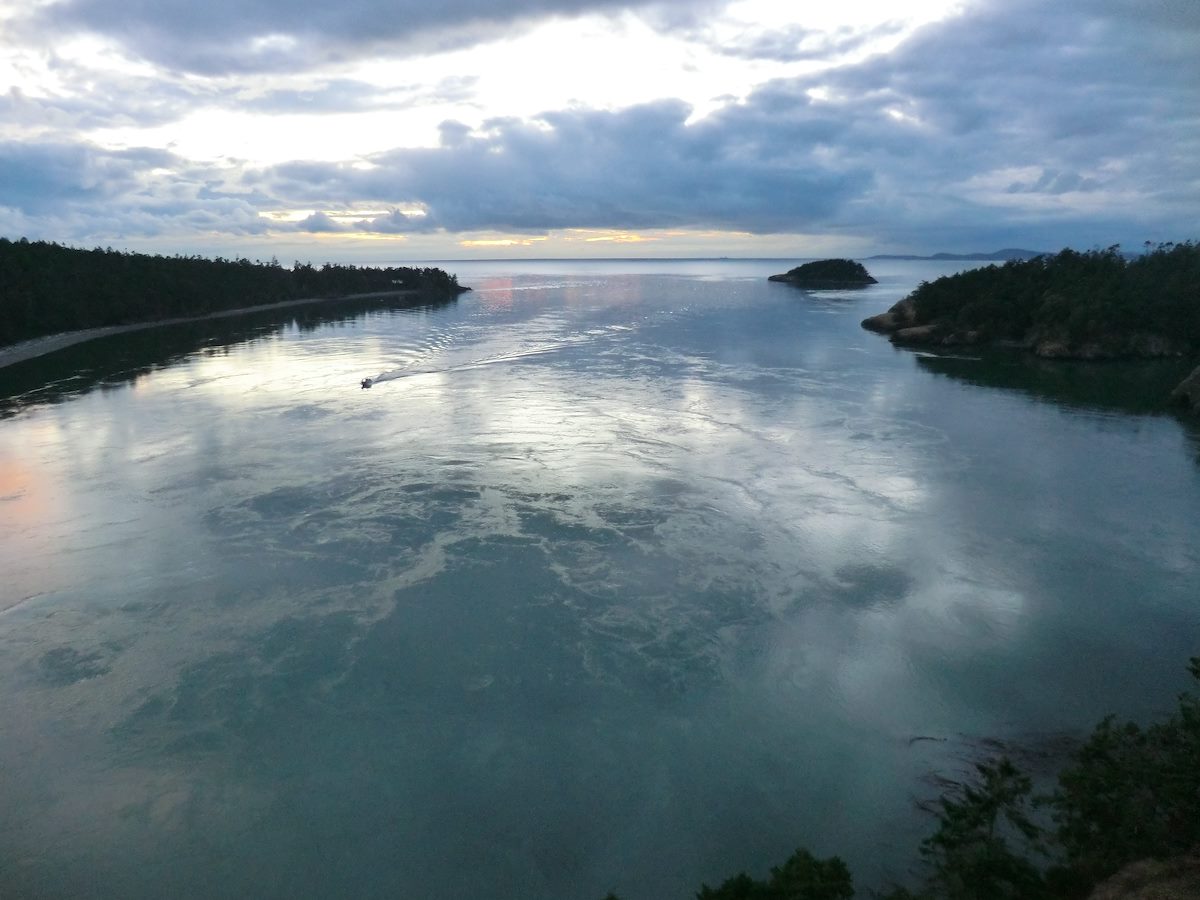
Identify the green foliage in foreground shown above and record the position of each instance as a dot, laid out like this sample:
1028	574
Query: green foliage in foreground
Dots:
976	851
802	877
1075	297
1128	794
46	288
1132	793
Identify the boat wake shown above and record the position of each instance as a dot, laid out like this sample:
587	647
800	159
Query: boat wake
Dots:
413	371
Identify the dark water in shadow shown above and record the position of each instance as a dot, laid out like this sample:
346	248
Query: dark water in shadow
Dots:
1121	386
627	578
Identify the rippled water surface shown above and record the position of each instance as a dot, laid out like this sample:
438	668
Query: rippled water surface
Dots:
623	576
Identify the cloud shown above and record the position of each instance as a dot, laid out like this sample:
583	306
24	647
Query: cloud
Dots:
231	36
41	178
399	222
321	223
918	146
85	101
343	95
643	167
798	43
83	193
1009	124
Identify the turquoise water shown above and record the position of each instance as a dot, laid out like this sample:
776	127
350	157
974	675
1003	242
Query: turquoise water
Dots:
624	576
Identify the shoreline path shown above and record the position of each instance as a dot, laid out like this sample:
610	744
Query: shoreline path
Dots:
40	346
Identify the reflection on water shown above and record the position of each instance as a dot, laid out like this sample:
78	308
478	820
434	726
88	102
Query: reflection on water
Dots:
1124	386
116	360
633	580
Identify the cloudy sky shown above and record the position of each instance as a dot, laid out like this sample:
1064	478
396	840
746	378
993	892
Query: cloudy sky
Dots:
385	130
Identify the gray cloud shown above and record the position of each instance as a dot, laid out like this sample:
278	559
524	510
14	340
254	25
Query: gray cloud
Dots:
41	178
797	42
638	168
229	36
79	192
398	222
1011	124
321	223
100	102
996	126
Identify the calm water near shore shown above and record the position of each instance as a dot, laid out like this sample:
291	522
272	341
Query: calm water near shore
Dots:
623	576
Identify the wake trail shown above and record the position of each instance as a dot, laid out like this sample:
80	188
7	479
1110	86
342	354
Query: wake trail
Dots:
409	372
581	338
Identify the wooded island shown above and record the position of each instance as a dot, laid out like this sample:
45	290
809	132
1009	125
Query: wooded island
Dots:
827	274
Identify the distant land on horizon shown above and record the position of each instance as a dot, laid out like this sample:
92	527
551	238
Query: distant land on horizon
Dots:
1006	254
992	256
995	255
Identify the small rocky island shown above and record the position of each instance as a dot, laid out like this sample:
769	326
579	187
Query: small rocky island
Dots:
827	274
1096	305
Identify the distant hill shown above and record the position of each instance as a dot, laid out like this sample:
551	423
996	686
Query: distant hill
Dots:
994	256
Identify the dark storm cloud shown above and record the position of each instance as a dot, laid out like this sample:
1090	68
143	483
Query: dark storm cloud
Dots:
642	167
223	36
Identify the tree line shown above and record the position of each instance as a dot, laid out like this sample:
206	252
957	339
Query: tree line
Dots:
1098	297
46	288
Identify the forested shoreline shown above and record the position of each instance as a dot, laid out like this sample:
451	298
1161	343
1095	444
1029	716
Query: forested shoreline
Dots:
1093	305
46	288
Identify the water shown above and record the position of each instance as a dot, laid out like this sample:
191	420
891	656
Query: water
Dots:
624	576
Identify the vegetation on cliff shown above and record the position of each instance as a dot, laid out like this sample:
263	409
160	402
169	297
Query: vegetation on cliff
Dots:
1090	305
46	288
1127	795
827	273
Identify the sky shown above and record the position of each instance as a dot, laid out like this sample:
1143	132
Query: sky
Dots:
373	131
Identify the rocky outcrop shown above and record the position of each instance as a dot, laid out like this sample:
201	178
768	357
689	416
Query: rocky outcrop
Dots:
1154	879
901	315
901	323
1188	392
